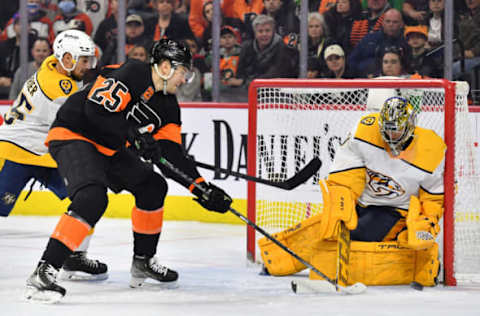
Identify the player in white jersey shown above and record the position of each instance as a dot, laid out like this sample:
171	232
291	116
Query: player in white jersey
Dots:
386	185
23	154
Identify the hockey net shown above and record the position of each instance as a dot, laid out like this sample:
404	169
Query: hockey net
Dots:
292	121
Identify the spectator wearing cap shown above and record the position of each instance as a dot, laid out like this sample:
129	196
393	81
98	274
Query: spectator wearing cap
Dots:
40	24
371	47
40	50
134	36
266	56
170	24
336	63
229	53
70	17
422	61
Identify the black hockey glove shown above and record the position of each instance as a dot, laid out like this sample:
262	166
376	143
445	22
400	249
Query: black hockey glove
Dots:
144	145
214	199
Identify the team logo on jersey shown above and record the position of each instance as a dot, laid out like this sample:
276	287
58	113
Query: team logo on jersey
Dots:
66	86
8	198
383	185
369	120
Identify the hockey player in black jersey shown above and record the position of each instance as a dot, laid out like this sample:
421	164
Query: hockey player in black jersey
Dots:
134	103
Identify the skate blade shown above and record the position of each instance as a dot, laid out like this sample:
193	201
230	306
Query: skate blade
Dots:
81	276
32	294
153	284
319	286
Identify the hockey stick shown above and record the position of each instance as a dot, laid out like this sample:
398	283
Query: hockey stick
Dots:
332	286
300	177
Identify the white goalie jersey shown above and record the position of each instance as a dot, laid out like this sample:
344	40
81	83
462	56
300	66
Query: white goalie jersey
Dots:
26	124
389	180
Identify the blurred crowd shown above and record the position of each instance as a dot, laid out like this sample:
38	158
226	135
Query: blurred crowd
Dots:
258	38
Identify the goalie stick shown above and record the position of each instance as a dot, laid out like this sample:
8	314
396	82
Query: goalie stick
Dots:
333	286
300	177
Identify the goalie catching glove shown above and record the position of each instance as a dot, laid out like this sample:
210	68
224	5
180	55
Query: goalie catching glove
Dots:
422	225
212	198
144	144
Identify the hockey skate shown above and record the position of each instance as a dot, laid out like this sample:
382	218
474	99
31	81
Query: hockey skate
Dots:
148	267
42	285
80	268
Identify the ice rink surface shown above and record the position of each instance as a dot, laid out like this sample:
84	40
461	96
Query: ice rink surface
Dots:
214	279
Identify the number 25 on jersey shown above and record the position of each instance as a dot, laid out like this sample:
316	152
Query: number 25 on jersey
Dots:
110	93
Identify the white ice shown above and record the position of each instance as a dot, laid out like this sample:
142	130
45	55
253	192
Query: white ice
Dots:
214	279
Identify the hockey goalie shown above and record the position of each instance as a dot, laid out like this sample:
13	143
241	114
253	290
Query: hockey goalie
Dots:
386	189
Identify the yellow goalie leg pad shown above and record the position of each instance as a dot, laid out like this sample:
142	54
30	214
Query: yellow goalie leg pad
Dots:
300	238
378	263
427	266
338	205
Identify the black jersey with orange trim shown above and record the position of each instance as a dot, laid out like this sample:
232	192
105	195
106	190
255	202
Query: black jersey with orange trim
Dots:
103	112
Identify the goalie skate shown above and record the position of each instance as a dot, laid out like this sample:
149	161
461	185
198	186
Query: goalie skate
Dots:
148	267
80	268
42	285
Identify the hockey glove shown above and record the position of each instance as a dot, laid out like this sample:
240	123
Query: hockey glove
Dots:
144	144
421	229
214	199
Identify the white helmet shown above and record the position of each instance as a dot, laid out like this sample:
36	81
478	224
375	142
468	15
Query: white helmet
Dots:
77	43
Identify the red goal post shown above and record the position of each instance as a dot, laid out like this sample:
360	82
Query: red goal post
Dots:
293	120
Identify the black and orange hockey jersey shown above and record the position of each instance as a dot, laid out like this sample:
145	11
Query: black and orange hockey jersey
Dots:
121	98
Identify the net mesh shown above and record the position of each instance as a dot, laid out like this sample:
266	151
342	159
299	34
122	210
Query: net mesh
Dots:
295	124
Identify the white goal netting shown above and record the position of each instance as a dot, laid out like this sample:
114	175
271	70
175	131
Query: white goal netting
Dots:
292	121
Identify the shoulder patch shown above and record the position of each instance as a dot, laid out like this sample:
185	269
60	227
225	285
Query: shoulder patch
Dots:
66	86
147	94
369	120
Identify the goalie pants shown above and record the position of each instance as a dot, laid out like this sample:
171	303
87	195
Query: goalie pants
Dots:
377	223
88	174
15	176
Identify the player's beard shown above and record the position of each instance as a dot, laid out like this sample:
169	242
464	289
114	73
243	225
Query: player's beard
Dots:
77	77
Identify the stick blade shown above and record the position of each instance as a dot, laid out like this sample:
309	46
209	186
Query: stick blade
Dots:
322	286
303	175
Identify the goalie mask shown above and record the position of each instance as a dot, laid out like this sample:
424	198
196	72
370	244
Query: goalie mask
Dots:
397	123
176	53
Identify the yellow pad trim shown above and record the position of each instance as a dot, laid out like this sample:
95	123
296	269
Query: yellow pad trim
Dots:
379	263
